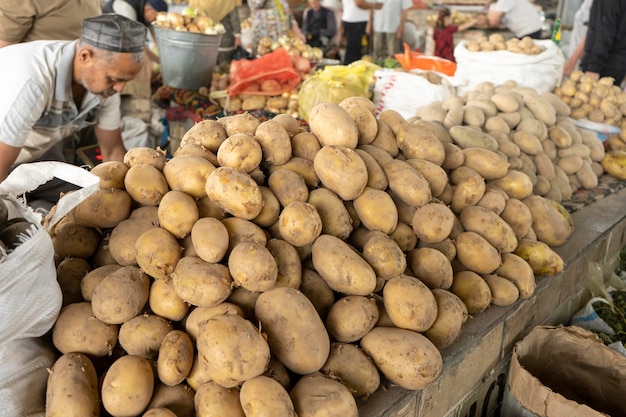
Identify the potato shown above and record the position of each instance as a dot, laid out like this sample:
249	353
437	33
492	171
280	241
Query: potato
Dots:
335	218
123	237
419	142
467	193
393	119
295	331
159	412
614	163
376	210
299	223
505	102
341	170
494	199
264	396
385	138
351	318
275	142
232	350
111	174
210	239
305	145
300	166
518	216
157	252
288	263
519	272
175	358
432	222
353	367
404	237
213	400
385	256
487	163
145	184
69	239
454	156
333	125
503	291
541	258
77	330
405	357
515	183
240	230
178	398
490	226
70	272
188	173
72	387
469	137
253	267
409	303
235	191
91	280
451	314
473	290
200	314
430	266
549	224
239	123
121	295
144	155
196	150
128	386
316	395
366	124
540	108
434	174
103	209
164	301
407	183
288	186
201	283
317	291
337	263
476	253
142	335
377	178
177	213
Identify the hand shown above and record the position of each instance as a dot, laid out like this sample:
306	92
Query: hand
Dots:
237	42
594	75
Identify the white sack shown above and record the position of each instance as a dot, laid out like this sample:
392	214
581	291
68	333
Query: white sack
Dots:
543	71
405	92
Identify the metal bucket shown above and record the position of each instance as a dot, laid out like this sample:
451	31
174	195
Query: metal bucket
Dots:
187	59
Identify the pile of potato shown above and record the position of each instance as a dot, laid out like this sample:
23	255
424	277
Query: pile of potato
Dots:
188	22
496	42
267	269
533	132
599	101
13	231
292	44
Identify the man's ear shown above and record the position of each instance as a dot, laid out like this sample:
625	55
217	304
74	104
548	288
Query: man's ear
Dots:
85	55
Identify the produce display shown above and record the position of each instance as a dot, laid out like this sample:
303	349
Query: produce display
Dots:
190	21
271	269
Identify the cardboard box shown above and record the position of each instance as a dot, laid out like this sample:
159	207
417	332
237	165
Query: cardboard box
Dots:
564	372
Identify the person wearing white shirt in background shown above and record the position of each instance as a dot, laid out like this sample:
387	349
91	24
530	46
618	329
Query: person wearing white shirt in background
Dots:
519	16
577	40
388	27
354	22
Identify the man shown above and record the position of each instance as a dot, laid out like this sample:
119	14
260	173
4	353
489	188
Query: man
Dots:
388	27
605	44
519	16
30	20
354	20
52	89
318	24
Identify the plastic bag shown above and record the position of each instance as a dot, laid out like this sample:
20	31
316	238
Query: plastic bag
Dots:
30	296
542	72
247	75
416	60
405	92
335	83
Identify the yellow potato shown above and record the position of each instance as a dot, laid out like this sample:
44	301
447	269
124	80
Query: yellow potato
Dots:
351	318
253	267
213	400
127	386
72	387
451	314
541	258
376	210
263	396
333	125
121	295
490	226
142	335
432	222
430	266
473	290
235	191
409	303
208	133
111	174
405	357
341	170
385	256
164	301
335	218
353	367
145	184
210	239
157	252
188	173
275	142
103	209
177	213
420	142
476	253
175	358
144	155
288	263
201	283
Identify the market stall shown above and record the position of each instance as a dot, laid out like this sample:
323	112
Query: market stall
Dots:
375	245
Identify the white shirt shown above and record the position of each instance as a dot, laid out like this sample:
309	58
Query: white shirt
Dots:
579	29
520	16
36	105
354	14
387	19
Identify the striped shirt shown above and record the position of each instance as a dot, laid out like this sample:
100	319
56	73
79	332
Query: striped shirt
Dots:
36	105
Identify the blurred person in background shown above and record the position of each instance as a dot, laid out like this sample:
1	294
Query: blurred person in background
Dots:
387	25
605	44
577	39
29	20
53	89
318	25
519	16
444	33
272	19
227	13
354	19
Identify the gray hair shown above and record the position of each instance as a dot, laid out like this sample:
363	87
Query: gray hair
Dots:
110	55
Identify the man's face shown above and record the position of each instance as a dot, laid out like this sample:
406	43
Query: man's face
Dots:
314	4
106	74
149	13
